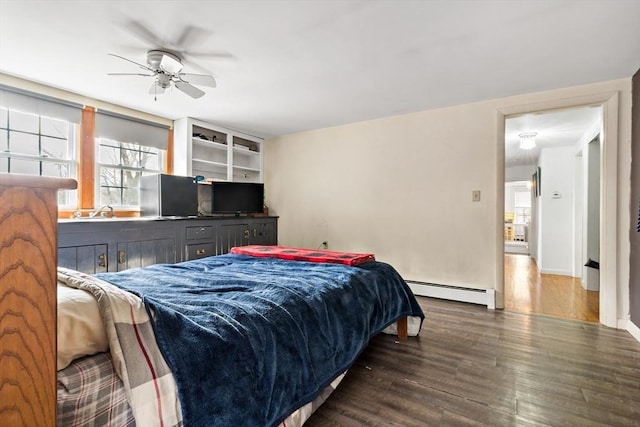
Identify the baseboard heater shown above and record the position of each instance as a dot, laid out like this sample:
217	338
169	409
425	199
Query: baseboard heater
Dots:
454	293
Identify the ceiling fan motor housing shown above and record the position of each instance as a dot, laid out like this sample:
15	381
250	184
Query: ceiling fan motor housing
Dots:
161	60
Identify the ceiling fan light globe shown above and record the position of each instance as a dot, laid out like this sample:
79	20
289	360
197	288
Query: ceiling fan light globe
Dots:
164	80
171	65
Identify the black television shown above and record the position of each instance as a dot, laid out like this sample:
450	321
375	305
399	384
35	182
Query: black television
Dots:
236	197
168	195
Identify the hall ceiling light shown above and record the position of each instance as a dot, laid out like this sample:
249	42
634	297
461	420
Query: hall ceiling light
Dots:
527	140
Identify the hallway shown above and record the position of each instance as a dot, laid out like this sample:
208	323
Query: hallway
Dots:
528	291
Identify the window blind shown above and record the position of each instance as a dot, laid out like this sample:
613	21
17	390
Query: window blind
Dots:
42	105
121	128
522	199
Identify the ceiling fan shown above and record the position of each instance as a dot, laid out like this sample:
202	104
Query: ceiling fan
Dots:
166	68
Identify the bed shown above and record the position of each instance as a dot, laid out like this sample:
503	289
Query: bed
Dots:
236	339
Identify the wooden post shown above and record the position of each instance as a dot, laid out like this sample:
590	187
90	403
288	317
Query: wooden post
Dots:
28	262
403	330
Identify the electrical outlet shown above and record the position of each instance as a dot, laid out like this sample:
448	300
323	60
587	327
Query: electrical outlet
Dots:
475	196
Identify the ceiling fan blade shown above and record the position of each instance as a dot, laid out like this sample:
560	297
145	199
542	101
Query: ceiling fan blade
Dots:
143	33
198	79
188	63
130	74
190	90
144	67
207	54
192	35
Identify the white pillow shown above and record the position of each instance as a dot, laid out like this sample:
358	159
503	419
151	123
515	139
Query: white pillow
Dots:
80	328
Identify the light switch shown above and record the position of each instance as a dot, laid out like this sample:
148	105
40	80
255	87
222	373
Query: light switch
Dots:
475	196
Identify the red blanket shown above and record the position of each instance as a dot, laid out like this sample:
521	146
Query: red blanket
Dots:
302	254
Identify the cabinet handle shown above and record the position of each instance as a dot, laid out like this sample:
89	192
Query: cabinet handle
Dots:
103	260
122	257
255	233
201	251
246	234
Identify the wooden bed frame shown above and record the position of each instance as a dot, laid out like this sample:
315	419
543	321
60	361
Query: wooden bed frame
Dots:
28	257
403	332
28	262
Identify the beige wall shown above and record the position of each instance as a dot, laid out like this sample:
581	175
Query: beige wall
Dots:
401	187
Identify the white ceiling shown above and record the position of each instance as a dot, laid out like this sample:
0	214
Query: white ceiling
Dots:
559	128
288	66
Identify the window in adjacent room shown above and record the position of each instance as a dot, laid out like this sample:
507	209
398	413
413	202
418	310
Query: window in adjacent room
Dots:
39	145
120	166
522	205
126	149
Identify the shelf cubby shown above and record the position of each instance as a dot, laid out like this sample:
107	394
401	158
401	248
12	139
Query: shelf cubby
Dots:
215	152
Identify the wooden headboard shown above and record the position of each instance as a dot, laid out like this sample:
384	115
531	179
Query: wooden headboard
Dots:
28	260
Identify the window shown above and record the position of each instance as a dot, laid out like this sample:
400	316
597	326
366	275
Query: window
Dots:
39	145
119	168
127	148
522	206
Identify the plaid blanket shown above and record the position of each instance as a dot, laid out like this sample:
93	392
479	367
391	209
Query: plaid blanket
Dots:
91	394
148	383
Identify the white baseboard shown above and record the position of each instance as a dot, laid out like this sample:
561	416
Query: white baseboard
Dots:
555	271
454	293
633	330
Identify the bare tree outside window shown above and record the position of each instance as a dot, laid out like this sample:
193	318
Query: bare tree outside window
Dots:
121	164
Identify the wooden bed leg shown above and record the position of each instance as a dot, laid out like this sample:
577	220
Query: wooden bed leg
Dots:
402	328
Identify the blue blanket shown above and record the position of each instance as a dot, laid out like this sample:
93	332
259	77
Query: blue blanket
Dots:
250	340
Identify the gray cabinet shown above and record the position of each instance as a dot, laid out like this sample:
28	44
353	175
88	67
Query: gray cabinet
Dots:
96	246
263	233
199	250
200	240
86	258
101	245
145	252
207	237
253	231
232	235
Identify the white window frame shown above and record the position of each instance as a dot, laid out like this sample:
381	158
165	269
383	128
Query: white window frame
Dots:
522	211
71	197
143	171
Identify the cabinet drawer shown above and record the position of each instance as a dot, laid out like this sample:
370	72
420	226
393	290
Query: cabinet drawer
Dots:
197	233
199	251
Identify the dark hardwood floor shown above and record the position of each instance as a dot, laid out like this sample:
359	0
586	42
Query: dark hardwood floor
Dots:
471	366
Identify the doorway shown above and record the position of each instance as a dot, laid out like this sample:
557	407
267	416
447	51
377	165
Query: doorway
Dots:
552	177
517	217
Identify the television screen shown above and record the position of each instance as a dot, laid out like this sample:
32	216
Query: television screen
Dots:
237	197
